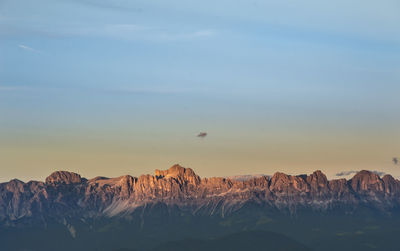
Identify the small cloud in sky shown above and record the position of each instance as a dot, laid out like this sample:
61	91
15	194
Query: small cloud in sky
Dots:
346	173
380	173
27	48
202	135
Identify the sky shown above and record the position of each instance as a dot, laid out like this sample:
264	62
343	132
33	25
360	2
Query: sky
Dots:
114	87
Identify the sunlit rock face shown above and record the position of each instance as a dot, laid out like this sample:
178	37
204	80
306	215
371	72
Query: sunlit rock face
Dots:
367	181
67	194
63	177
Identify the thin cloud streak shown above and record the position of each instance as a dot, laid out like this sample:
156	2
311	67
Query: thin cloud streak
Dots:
346	173
126	27
7	88
27	48
12	88
144	91
140	32
107	5
124	31
380	173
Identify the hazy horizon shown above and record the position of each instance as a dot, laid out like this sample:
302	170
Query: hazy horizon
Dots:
124	87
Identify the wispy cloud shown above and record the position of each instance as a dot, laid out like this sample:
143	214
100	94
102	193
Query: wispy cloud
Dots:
171	36
204	33
347	173
127	27
380	173
140	32
27	48
145	91
124	31
110	5
12	88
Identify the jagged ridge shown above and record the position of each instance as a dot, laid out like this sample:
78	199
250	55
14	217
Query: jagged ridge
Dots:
67	194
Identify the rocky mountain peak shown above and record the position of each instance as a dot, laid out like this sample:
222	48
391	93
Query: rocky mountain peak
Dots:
283	183
366	180
391	185
183	175
64	177
175	171
15	185
319	175
317	179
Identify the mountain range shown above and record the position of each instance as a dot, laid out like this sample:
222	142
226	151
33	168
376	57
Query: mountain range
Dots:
177	203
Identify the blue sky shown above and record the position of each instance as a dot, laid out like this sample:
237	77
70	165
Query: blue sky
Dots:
130	84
